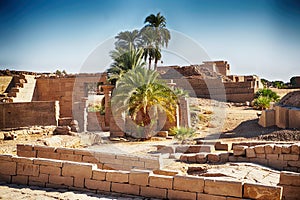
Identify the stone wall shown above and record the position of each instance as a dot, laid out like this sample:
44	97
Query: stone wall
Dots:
101	159
281	157
85	176
67	90
291	185
281	116
13	115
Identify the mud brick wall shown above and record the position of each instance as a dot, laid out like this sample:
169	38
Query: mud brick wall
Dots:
103	160
87	177
13	115
290	182
281	157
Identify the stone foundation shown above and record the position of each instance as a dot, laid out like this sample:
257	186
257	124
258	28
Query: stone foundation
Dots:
87	177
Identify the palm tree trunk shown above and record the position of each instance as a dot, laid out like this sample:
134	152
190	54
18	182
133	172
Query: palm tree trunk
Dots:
150	62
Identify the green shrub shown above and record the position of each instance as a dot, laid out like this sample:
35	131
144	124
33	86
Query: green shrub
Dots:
273	96
262	103
182	133
96	108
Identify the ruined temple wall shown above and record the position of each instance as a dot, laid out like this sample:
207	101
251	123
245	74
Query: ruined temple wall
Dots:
13	115
216	89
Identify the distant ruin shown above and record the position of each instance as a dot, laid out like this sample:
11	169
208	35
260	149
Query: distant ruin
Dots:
31	93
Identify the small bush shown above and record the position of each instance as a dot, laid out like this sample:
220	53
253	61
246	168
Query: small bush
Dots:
182	133
273	96
204	118
262	103
96	108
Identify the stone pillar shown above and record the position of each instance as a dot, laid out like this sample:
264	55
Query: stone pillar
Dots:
107	90
80	113
184	112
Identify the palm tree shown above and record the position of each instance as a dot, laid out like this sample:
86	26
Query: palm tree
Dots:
156	24
124	60
127	38
142	95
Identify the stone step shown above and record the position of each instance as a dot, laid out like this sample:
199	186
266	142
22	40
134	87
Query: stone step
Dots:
202	158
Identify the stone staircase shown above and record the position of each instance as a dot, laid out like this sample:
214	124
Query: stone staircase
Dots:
23	89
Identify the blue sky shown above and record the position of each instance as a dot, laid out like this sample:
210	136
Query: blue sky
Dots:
256	36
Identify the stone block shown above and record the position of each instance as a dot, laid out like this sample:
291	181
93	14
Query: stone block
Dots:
24	147
8	168
202	196
250	152
56	186
261	155
286	149
61	180
20	179
161	181
282	116
290	157
50	155
35	183
239	150
48	162
5	157
26	153
277	149
232	159
50	170
117	176
64	150
5	178
162	134
175	194
294	164
188	183
97	185
201	158
22	160
79	182
165	172
89	159
83	152
295	149
125	188
259	149
224	157
290	192
99	174
277	164
139	177
272	156
267	118
191	158
269	148
213	158
74	169
42	178
289	178
256	191
260	161
71	157
166	149
294	118
27	169
44	149
153	192
222	146
223	187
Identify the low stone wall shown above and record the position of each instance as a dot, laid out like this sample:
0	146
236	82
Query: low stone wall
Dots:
281	157
39	113
291	185
102	160
84	176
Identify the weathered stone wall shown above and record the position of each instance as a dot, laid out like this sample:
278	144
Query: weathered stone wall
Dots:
281	157
103	160
85	176
281	116
67	90
216	89
291	185
13	115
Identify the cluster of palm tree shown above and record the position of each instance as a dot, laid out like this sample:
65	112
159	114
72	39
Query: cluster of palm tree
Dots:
139	93
139	45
